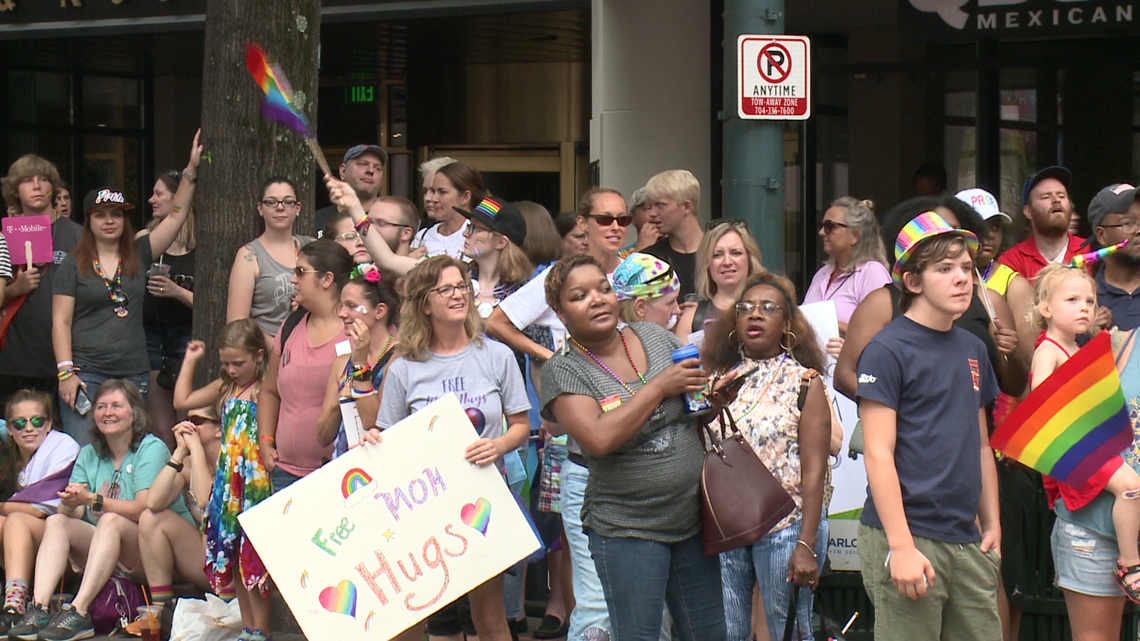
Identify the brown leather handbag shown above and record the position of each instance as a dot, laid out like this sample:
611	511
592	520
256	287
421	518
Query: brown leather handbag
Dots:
742	501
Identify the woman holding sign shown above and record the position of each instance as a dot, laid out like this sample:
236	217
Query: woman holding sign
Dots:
442	350
617	392
97	302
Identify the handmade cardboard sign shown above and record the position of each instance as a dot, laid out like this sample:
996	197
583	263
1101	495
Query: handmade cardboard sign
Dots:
28	232
382	537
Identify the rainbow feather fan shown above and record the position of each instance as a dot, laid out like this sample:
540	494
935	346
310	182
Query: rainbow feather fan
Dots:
279	104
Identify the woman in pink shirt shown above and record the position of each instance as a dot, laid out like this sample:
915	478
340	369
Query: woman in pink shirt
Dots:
294	390
856	264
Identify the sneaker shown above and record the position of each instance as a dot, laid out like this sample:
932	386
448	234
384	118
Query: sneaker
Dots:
29	625
8	618
68	625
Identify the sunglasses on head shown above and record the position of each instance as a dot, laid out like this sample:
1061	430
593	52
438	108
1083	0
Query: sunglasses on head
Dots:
605	220
22	423
735	223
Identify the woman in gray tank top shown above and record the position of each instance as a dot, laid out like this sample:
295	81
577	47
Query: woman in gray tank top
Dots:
260	286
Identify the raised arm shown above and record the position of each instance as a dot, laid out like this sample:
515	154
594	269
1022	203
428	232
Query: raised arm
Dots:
344	196
185	396
167	230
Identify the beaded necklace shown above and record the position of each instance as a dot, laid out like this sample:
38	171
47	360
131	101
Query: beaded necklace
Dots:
115	288
605	367
348	365
771	379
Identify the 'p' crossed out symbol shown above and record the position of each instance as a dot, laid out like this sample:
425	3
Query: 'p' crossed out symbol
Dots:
774	62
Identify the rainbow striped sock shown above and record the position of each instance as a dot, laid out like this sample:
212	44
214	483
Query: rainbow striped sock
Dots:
161	594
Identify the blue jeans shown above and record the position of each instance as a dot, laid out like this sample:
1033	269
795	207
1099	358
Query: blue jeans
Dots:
79	427
641	577
590	614
280	479
766	562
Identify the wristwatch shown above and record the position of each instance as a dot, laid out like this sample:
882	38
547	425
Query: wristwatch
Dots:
97	503
177	466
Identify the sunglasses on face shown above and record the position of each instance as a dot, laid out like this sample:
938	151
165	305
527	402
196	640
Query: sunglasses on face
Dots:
300	272
605	220
36	422
199	420
829	226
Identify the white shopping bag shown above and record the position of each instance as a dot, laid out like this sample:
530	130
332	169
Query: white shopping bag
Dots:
209	620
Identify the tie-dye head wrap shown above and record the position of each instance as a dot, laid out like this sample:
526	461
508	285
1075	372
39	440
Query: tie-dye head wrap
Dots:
644	276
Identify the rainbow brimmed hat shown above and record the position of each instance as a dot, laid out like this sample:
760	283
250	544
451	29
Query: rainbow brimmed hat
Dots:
921	227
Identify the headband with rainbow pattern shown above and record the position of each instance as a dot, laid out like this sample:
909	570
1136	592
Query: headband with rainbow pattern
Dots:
921	227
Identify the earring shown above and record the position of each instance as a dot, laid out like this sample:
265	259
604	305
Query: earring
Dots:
732	337
793	341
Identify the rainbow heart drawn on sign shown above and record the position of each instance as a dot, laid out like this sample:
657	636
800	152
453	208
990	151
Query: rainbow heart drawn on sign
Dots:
356	486
340	599
477	515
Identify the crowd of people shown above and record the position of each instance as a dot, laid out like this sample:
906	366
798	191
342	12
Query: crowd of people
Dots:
116	468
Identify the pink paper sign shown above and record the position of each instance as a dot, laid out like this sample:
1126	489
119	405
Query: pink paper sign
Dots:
21	230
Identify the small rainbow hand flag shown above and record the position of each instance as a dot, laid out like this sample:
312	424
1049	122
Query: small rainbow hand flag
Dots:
279	104
1074	422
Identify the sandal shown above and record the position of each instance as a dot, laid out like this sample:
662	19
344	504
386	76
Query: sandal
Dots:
1131	589
552	628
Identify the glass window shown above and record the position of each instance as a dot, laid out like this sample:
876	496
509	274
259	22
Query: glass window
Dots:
398	115
1018	95
39	98
113	161
111	102
55	146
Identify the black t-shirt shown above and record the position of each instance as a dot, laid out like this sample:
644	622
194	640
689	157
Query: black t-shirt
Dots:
936	382
167	313
322	217
685	265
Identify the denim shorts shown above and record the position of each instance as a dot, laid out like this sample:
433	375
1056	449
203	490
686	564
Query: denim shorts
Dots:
1084	560
166	343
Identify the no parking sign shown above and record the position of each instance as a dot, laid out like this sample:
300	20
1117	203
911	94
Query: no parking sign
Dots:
774	77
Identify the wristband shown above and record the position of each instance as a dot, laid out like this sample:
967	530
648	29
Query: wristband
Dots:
64	364
363	226
809	548
189	176
268	438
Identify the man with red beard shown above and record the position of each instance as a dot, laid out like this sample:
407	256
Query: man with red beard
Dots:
1048	208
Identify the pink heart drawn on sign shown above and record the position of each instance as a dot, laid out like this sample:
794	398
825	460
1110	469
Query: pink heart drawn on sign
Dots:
340	599
477	515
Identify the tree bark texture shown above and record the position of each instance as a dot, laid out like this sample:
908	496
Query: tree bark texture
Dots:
244	149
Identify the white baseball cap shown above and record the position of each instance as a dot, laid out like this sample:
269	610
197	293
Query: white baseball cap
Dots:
984	203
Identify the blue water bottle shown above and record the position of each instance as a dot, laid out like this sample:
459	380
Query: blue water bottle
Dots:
696	403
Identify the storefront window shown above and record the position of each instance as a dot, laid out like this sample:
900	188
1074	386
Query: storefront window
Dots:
114	161
111	102
39	98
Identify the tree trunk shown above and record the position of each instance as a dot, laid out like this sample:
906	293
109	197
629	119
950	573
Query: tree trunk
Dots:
243	148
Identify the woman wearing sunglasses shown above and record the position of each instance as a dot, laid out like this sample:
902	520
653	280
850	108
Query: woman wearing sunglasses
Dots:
96	529
442	349
260	281
727	256
293	393
97	298
856	263
39	466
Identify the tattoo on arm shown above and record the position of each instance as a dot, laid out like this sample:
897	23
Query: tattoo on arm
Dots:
249	255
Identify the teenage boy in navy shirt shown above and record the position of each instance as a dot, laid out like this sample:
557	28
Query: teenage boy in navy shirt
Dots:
923	387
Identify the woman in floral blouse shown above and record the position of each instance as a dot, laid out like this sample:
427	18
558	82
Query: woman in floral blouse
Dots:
783	412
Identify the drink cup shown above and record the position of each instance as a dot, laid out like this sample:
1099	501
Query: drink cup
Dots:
149	626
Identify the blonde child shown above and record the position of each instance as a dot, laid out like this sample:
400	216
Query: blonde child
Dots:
1065	307
241	481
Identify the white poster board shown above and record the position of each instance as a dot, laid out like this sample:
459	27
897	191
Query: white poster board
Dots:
380	538
849	477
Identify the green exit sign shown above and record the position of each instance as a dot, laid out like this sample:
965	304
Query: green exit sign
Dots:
360	94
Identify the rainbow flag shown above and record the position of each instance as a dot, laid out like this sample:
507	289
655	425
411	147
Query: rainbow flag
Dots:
1074	422
279	105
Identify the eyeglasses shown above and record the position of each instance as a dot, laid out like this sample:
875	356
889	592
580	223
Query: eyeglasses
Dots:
287	203
299	271
22	423
348	235
735	223
829	226
447	291
766	308
1127	225
605	220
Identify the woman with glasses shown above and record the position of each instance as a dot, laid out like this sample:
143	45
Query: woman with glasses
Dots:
783	412
442	349
96	529
293	393
97	298
727	256
261	284
168	308
341	229
39	466
856	264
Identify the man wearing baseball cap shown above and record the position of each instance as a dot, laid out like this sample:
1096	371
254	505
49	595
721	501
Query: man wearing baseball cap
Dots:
1045	202
363	169
1114	215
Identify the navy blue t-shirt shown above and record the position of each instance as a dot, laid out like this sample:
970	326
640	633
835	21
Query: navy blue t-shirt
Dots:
935	381
1125	306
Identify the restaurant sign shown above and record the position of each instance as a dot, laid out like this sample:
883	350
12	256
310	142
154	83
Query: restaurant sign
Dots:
959	20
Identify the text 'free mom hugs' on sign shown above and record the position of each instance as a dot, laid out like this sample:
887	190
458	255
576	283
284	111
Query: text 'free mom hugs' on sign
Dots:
387	534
